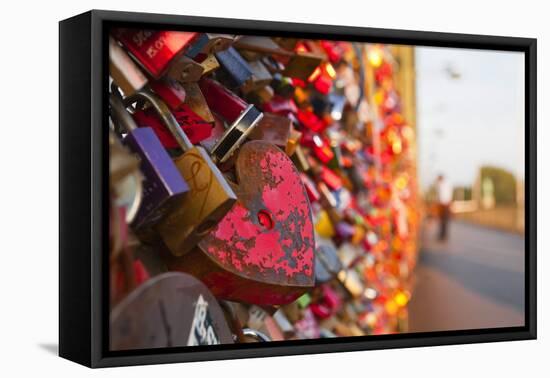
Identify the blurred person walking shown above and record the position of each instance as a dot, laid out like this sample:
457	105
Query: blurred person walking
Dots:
444	199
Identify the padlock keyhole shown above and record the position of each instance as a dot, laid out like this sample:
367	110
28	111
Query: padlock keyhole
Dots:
265	219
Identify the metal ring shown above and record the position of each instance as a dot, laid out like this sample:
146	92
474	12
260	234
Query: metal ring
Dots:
257	335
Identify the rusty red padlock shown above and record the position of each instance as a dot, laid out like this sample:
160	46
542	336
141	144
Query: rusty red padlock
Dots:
262	251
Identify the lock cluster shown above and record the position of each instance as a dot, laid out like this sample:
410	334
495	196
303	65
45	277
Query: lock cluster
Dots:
261	189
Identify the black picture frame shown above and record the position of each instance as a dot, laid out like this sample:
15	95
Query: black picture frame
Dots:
83	161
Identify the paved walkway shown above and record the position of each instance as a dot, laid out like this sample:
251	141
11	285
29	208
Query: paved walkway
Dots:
475	280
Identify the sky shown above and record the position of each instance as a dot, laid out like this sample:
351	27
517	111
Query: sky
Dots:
473	119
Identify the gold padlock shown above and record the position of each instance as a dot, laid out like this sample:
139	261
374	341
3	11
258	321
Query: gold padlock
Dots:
302	65
124	72
197	103
328	201
286	43
300	159
209	198
294	137
260	77
209	64
262	45
185	70
261	96
217	42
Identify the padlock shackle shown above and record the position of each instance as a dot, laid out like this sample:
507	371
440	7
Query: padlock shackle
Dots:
120	115
257	335
165	115
115	90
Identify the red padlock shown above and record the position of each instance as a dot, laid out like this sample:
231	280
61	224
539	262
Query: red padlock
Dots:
323	84
241	117
321	149
311	121
171	91
330	178
322	78
333	49
385	71
154	50
281	106
194	126
328	304
311	189
140	275
224	102
261	252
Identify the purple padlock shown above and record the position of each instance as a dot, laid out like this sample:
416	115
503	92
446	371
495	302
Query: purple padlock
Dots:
344	230
163	186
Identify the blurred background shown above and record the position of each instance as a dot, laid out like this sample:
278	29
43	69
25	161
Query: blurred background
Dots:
470	130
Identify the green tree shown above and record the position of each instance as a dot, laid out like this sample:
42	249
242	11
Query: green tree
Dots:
504	183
